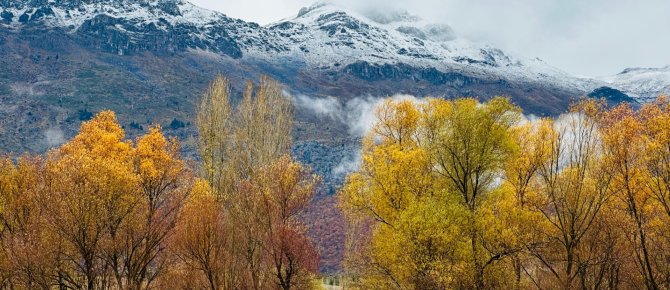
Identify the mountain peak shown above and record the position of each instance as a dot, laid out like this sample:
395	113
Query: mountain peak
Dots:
387	16
73	13
378	15
645	69
643	83
313	7
323	36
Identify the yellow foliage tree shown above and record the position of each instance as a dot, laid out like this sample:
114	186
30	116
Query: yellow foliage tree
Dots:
436	161
99	208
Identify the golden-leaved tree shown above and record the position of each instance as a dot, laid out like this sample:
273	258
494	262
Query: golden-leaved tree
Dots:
26	260
655	118
255	192
428	192
95	213
461	194
572	188
636	148
105	212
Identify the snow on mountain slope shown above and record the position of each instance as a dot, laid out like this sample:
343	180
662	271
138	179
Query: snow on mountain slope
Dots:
127	25
74	13
643	83
322	37
326	34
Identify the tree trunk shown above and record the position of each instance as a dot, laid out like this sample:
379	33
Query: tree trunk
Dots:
479	269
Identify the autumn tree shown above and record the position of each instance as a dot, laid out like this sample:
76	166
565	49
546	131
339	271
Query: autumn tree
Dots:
572	188
95	213
236	143
394	173
636	148
428	185
164	183
200	242
215	127
655	119
264	126
89	195
469	150
520	178
282	190
28	259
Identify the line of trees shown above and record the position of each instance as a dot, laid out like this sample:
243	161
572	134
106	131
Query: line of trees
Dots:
104	212
457	194
451	194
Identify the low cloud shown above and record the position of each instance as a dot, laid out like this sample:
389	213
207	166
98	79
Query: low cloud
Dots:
326	106
358	114
348	164
54	137
25	89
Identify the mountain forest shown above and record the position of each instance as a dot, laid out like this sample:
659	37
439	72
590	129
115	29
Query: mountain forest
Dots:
450	194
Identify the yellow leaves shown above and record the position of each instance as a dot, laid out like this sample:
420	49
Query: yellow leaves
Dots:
91	178
501	220
420	251
156	157
234	142
622	130
533	150
392	177
460	194
656	121
397	122
107	212
200	214
101	137
97	200
151	152
18	192
286	185
406	172
258	187
427	169
436	112
200	234
591	108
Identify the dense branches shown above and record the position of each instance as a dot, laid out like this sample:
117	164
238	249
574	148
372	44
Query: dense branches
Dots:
252	238
457	194
104	212
100	210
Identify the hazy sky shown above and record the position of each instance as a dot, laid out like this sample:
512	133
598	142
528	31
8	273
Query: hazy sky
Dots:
584	37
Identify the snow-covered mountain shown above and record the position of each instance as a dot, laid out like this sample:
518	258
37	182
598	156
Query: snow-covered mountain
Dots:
326	34
322	37
60	60
642	83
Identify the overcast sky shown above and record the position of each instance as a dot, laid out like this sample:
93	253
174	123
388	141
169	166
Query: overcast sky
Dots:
583	37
